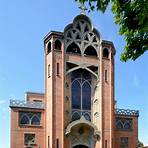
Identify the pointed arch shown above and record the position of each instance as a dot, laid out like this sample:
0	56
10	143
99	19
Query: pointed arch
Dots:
105	53
58	44
91	51
73	48
49	47
35	120
119	124
24	119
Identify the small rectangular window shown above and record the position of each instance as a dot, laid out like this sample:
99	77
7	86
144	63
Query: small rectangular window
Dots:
49	70
106	76
105	143
48	141
29	139
123	142
58	68
57	143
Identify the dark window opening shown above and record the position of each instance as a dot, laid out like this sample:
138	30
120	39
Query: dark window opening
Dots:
49	47
106	76
90	51
37	100
57	143
58	69
49	70
58	45
105	143
48	141
105	53
73	48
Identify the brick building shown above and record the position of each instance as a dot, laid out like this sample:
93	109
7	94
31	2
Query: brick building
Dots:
77	109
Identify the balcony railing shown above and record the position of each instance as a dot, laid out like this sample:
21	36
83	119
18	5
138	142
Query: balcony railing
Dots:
26	104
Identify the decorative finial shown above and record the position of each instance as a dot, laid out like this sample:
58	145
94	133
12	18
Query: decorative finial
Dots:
83	8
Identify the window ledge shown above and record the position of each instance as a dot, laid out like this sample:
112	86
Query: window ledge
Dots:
30	126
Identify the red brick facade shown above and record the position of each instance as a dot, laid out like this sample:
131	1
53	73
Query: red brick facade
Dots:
78	64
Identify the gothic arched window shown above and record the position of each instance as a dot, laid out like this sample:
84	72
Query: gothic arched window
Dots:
24	119
58	44
105	53
49	47
81	92
35	120
86	96
73	48
76	95
90	50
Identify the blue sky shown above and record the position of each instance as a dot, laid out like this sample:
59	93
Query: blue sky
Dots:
24	23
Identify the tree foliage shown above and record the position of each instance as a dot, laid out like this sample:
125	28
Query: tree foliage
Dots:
132	18
140	144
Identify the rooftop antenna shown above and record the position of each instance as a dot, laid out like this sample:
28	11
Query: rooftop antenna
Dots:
83	9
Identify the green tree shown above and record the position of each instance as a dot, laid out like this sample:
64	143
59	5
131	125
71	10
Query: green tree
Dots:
140	144
132	18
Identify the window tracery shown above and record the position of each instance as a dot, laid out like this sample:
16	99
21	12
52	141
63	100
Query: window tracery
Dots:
29	118
123	124
81	94
81	33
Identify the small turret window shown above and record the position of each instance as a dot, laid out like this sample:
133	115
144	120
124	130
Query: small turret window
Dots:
49	47
58	45
105	53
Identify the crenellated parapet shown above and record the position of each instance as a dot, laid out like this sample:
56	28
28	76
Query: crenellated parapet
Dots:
126	112
26	104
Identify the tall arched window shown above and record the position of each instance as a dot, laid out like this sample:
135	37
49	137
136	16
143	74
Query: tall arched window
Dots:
81	93
76	94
